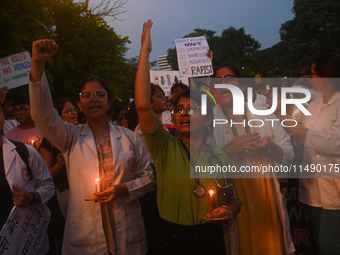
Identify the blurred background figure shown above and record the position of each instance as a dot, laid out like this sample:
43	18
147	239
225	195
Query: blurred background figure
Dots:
55	161
177	89
6	98
320	190
26	131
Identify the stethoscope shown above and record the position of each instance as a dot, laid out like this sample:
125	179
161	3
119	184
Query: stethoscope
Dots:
199	190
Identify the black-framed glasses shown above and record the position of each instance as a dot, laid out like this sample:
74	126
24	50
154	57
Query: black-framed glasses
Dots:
21	110
191	109
70	111
99	94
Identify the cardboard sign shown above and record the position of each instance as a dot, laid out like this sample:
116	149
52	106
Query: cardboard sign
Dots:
165	79
15	69
192	57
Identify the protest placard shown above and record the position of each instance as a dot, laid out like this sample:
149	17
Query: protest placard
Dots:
192	57
24	230
15	69
165	79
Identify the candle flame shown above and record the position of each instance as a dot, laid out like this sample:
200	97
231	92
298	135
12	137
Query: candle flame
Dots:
97	180
211	192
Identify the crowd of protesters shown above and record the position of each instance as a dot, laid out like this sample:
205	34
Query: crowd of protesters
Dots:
125	179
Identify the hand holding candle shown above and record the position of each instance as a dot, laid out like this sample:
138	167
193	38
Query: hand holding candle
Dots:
211	192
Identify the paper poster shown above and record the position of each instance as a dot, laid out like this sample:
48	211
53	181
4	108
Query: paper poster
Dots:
15	69
192	57
24	230
165	79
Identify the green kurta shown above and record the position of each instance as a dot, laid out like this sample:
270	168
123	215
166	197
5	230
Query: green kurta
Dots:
176	200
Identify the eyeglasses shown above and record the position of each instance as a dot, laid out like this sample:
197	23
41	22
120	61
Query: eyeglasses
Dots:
87	95
227	79
191	109
21	110
70	111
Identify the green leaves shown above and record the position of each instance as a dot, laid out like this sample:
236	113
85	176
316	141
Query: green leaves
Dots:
88	46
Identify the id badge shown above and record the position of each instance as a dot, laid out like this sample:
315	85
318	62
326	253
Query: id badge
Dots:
244	168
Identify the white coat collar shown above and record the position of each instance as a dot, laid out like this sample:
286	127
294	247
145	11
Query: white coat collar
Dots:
9	153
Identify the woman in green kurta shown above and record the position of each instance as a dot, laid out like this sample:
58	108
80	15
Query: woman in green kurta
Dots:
181	230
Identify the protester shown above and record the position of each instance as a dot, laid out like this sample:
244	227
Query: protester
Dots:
263	225
148	202
177	89
7	99
26	131
97	150
320	190
16	184
120	115
180	229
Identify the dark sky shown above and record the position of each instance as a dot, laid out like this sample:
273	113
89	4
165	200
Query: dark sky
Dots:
174	19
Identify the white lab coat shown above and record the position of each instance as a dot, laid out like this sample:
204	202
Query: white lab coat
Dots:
17	174
84	233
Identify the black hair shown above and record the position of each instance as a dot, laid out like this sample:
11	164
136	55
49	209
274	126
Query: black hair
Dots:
132	116
100	81
59	105
195	95
154	88
233	68
179	85
328	66
21	99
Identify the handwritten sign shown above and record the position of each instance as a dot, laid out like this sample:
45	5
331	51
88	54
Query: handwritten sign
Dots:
15	69
24	230
165	79
192	57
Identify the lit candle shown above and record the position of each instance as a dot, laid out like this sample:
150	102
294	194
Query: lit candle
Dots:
96	185
32	142
211	192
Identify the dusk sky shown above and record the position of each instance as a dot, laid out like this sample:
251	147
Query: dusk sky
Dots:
174	19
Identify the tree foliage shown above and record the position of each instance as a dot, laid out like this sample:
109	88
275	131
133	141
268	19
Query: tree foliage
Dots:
88	46
314	31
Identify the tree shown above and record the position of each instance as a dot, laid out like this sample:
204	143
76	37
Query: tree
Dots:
88	46
314	31
106	8
21	23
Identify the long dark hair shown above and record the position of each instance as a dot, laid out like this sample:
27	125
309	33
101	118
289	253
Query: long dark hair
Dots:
328	66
